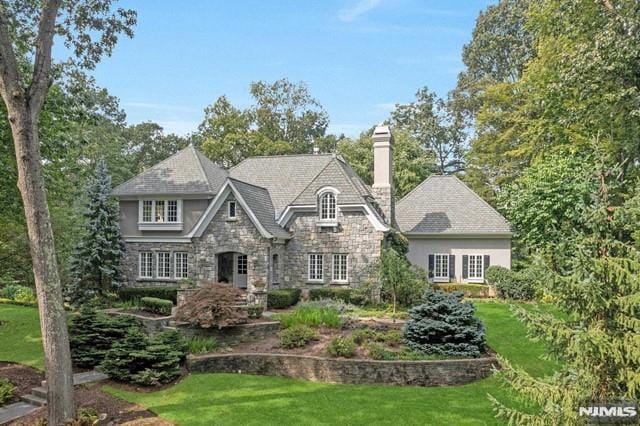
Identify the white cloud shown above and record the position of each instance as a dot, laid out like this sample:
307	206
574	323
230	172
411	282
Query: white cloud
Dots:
350	14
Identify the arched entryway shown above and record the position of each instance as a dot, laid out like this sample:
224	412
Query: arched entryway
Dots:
232	268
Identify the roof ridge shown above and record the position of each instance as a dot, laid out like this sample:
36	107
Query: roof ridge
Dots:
199	161
247	183
346	175
281	156
310	182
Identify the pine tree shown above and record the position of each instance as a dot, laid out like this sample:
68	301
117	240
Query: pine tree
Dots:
597	337
95	266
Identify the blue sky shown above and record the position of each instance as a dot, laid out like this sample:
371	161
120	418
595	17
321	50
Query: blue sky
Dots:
358	57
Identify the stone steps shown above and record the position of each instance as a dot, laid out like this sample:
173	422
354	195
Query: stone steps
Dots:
14	411
34	400
40	391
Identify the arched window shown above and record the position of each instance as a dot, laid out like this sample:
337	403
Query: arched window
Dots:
328	206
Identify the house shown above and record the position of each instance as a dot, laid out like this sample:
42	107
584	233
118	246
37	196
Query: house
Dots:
296	221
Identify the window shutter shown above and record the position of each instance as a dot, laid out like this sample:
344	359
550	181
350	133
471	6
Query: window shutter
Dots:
452	266
465	266
431	265
486	263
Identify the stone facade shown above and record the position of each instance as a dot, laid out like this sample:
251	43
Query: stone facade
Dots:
350	371
355	236
130	263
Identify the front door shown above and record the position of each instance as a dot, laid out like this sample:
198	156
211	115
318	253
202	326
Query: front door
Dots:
240	278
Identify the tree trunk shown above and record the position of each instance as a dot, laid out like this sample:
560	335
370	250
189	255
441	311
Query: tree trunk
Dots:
55	337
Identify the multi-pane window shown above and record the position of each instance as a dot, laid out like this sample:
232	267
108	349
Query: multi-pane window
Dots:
441	267
160	211
315	267
145	262
242	264
339	268
231	210
475	270
164	264
328	206
275	269
181	264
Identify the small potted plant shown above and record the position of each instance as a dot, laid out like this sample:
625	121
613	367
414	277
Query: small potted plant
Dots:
260	285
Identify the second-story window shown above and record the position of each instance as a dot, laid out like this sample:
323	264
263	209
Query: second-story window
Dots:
231	210
328	206
160	211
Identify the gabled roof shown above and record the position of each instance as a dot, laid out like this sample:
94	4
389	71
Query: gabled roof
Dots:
286	177
445	205
186	172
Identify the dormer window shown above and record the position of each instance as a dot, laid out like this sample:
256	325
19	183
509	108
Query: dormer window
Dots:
328	207
157	215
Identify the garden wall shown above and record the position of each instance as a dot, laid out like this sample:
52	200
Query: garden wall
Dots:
234	334
352	371
152	325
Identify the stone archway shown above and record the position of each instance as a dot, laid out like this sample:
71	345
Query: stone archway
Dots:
232	268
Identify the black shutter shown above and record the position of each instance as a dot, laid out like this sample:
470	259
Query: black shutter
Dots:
431	265
452	267
486	263
465	266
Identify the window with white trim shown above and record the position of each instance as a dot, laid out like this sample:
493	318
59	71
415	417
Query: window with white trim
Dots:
145	264
163	264
315	272
475	267
231	210
340	265
160	211
328	206
441	267
181	264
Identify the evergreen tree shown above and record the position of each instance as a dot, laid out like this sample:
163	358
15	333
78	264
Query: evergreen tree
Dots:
95	266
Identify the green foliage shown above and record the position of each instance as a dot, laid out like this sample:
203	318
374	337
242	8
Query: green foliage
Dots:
255	311
297	336
137	293
397	242
510	284
18	293
332	293
157	306
343	347
311	315
144	360
283	298
201	345
401	283
365	335
469	290
7	390
91	335
444	325
213	305
95	265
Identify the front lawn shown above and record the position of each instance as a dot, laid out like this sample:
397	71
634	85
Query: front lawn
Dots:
20	339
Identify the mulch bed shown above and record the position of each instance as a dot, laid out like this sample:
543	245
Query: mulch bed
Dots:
23	377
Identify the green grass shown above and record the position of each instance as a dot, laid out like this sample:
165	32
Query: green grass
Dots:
312	316
20	339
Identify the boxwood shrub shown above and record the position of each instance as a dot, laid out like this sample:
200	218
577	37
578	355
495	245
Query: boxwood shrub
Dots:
469	290
283	298
157	306
333	293
510	284
137	293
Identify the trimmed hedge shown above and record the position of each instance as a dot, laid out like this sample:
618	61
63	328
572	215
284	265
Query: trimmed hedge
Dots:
283	298
469	290
137	293
157	306
511	284
332	293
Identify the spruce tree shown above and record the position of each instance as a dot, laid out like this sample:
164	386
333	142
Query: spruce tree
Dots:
597	336
95	265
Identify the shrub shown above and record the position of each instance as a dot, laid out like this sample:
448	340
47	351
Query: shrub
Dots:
444	325
342	347
363	335
402	284
9	291
343	294
157	306
311	316
297	336
137	293
18	293
469	290
213	305
92	334
144	360
7	389
201	345
511	284
255	311
379	351
283	298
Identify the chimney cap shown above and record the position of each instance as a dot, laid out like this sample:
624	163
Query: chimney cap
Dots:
382	133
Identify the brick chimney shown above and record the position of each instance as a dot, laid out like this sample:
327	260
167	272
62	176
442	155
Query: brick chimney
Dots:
383	172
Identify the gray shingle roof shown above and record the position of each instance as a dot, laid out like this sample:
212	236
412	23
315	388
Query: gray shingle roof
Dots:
334	175
286	177
259	202
186	172
445	205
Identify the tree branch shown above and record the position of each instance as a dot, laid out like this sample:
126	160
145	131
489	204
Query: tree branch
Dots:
42	65
10	85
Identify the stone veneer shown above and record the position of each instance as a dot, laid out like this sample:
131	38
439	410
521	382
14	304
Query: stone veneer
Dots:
350	371
130	263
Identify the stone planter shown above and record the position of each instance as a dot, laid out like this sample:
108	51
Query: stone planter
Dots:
349	371
152	325
234	334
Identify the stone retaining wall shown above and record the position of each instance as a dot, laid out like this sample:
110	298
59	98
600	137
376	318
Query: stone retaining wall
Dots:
351	371
234	334
152	325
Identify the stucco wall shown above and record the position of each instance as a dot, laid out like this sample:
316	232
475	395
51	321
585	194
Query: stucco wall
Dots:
499	250
191	212
355	237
